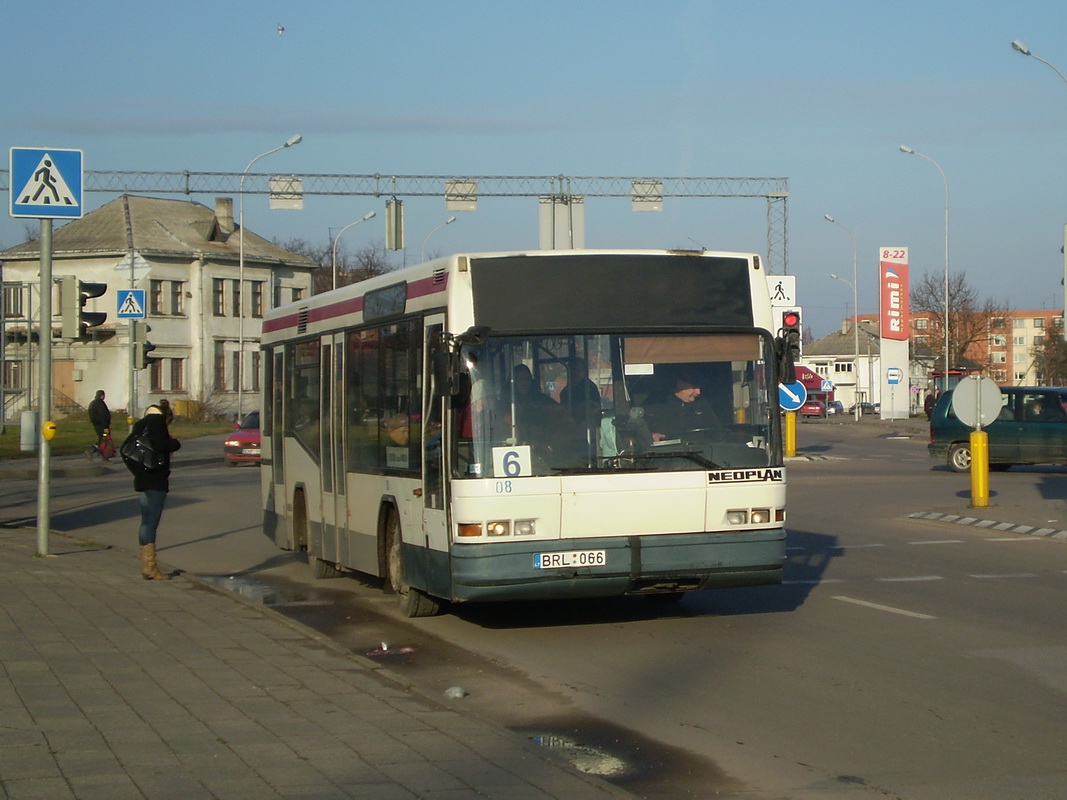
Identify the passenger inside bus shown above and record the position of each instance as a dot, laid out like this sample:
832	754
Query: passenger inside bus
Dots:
580	397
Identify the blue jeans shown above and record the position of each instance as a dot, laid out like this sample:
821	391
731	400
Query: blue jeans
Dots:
152	501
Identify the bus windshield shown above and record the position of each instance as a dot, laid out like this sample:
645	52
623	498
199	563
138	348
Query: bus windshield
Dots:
605	403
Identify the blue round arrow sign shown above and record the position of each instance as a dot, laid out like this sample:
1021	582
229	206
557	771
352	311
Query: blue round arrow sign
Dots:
792	396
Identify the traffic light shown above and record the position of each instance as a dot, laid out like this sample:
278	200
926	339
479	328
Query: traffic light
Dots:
791	331
73	293
141	346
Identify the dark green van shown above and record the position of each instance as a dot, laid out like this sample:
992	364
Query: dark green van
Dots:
1031	428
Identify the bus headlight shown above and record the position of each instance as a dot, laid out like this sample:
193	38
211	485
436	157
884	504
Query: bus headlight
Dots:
525	527
498	528
760	516
737	516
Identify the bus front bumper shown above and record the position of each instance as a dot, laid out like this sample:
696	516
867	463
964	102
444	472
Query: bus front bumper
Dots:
659	564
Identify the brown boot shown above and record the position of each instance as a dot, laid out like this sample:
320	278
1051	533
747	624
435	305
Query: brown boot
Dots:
149	568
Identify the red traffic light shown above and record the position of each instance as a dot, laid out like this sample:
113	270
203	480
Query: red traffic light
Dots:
790	319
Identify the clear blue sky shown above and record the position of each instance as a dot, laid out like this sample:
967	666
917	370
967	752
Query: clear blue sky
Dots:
820	92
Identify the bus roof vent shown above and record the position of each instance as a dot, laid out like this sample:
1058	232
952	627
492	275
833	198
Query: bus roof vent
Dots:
439	275
302	320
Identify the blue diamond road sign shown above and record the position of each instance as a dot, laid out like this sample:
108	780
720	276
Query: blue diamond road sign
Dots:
45	183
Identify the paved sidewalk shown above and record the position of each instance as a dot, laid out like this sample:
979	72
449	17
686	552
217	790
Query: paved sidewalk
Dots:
113	687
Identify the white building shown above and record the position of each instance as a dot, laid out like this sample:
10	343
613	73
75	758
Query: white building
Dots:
187	259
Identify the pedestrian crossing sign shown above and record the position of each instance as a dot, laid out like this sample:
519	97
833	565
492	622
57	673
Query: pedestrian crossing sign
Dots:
45	183
131	304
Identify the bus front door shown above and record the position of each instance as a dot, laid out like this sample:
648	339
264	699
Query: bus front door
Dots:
435	443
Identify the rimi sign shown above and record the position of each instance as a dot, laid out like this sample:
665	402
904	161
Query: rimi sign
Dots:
895	324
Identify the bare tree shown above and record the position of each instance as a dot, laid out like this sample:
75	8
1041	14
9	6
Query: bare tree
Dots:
1050	357
352	266
971	320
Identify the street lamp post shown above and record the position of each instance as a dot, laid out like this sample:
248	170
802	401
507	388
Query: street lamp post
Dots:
910	152
448	221
293	140
333	257
1022	48
855	308
856	344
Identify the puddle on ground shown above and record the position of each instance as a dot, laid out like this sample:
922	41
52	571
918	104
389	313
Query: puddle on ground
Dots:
593	746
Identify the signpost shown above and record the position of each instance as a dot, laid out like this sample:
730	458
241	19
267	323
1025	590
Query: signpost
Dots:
46	183
977	402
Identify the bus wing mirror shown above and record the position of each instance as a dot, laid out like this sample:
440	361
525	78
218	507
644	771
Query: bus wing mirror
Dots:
446	368
473	336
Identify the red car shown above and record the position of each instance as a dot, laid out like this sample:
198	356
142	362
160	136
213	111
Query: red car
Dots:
243	444
813	408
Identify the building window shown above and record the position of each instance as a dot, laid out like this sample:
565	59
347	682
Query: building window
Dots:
177	298
922	323
177	374
1020	376
1000	358
1018	358
218	297
257	299
843	366
14	374
1039	322
236	299
155	302
220	367
1000	340
1038	341
155	375
1018	323
1018	341
256	362
235	369
13	302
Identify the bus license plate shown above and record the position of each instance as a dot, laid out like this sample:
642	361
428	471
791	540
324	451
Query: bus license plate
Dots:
570	558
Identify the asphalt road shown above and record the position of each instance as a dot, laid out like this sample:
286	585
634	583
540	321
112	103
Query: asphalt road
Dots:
903	657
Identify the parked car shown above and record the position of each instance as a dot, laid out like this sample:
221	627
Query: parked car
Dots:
1031	428
865	408
835	407
242	446
813	408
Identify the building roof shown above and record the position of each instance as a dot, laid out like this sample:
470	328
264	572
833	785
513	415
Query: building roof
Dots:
842	343
154	226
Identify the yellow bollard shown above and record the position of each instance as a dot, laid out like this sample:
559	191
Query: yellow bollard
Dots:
790	434
979	469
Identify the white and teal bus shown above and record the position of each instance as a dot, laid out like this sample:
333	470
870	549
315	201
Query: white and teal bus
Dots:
523	425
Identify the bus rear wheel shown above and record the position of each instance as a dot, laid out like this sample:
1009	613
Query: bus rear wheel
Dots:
412	602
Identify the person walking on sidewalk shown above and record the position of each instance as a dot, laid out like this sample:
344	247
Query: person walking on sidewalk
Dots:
153	487
100	419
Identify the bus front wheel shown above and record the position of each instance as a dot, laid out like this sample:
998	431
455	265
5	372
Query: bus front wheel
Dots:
412	602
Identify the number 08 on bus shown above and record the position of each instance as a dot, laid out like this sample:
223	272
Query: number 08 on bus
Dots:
531	425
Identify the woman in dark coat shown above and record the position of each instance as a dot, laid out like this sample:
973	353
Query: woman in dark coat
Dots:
153	487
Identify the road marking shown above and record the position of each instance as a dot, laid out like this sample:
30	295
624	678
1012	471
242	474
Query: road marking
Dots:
914	578
1013	539
878	607
814	582
941	541
1007	575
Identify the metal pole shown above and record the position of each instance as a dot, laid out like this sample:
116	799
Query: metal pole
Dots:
910	152
333	257
44	339
293	140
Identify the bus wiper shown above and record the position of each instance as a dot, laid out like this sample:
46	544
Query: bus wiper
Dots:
693	455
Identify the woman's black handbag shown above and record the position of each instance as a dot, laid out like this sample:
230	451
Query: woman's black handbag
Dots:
137	453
